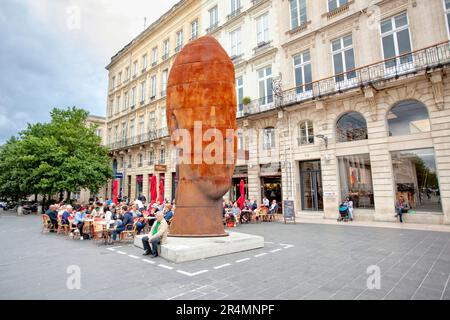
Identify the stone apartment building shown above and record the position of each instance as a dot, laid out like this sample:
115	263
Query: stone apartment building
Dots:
344	98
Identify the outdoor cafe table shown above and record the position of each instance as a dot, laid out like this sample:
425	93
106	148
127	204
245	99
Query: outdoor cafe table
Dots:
249	214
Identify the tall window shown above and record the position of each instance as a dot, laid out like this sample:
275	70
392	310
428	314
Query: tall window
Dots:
116	134
144	62
130	162
262	28
151	157
235	5
194	29
119	78
109	136
408	117
416	179
447	14
124	132
334	4
119	104
125	100
163	118
298	13
343	58
133	97
240	93
265	85
164	83
305	133
240	140
269	138
351	127
166	49
162	156
127	72
396	41
355	175
135	69
179	41
111	107
154	56
140	161
132	131
303	73
236	42
151	121
213	17
143	83
141	127
153	86
113	82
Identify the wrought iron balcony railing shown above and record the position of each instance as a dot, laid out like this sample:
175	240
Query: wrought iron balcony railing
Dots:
386	70
139	139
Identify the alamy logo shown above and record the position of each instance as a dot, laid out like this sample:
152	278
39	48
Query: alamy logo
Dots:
74	280
374	279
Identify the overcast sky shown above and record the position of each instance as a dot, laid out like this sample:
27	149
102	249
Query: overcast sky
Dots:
53	53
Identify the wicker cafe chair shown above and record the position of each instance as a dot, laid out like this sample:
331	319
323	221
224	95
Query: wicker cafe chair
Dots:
64	228
47	224
128	234
72	229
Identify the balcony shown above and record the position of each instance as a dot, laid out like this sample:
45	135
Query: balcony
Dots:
212	27
237	58
262	46
339	10
165	56
140	139
154	63
384	71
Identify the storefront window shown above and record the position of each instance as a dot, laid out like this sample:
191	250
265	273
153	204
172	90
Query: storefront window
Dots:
351	127
408	117
356	180
416	179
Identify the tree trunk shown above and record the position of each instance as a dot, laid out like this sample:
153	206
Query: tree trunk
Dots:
68	196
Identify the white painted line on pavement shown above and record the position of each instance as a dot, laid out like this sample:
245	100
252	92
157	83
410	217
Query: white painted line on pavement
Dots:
134	257
164	266
111	249
148	261
116	247
222	266
191	274
260	255
276	250
242	260
121	252
268	242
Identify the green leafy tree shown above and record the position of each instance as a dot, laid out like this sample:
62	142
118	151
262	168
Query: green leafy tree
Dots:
63	155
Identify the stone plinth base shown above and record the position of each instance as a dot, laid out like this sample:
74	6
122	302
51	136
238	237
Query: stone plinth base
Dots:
188	249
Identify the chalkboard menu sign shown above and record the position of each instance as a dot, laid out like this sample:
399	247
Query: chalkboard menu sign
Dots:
288	210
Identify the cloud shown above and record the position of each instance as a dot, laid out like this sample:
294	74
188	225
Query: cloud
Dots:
53	54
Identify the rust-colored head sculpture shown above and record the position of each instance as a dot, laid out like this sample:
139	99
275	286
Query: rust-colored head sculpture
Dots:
201	112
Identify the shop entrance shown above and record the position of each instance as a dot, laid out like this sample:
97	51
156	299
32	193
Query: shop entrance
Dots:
311	185
271	188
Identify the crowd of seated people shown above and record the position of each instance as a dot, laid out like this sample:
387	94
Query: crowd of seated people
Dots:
233	214
119	217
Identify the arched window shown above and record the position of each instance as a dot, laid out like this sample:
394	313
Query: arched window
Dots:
408	117
269	138
305	132
351	127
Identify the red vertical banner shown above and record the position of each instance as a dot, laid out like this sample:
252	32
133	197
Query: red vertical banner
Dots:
115	190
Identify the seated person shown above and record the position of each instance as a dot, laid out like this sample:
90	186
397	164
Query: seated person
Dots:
273	207
53	215
157	235
124	224
80	217
235	211
66	215
169	213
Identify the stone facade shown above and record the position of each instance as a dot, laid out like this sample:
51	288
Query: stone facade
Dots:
371	89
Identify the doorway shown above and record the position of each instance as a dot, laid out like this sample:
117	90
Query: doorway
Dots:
311	185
